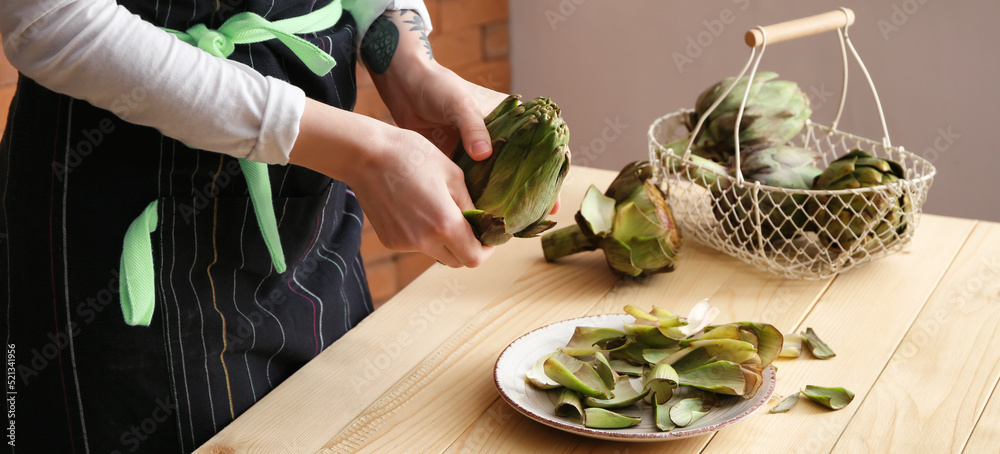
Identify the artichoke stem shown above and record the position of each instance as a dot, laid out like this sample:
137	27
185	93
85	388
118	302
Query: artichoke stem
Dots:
566	241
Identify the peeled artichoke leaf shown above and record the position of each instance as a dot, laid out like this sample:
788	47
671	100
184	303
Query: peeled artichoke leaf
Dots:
661	414
687	411
728	331
817	347
727	349
641	316
598	210
585	340
624	367
625	395
769	341
599	418
785	404
791	347
700	316
650	336
604	370
660	382
569	405
722	377
576	375
655	355
832	398
536	377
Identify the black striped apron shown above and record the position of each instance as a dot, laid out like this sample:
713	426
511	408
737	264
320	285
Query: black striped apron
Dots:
227	328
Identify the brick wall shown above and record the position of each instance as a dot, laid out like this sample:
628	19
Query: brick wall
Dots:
471	38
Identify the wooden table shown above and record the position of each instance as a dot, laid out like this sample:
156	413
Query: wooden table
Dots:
916	336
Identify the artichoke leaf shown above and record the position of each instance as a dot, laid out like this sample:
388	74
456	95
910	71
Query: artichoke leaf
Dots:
600	418
598	210
625	395
832	398
623	367
568	404
535	376
817	347
576	375
660	382
791	347
585	340
661	414
687	411
722	377
604	370
785	404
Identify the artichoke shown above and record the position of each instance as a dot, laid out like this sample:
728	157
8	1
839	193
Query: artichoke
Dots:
516	187
775	112
781	213
866	221
631	222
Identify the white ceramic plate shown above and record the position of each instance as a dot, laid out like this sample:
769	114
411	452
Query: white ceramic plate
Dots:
521	355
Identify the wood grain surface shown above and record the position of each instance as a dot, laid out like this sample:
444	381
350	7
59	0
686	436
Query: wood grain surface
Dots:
915	336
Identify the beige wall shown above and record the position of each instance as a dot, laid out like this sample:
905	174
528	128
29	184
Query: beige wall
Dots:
934	62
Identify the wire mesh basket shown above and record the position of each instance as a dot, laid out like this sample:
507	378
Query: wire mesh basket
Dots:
795	233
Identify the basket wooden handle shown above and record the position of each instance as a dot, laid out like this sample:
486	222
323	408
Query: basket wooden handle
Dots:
798	28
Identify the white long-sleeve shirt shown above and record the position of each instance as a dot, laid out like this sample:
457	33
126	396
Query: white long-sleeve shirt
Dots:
100	52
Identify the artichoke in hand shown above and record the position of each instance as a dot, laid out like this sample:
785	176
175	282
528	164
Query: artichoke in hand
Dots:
517	186
775	112
860	221
631	222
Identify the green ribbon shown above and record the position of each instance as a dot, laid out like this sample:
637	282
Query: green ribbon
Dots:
137	272
137	277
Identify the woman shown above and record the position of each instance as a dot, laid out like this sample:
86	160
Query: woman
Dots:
133	174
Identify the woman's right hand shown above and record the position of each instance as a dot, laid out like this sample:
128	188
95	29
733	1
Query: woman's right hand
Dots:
411	192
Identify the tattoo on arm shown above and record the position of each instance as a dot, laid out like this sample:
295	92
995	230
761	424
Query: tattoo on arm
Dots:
418	25
379	44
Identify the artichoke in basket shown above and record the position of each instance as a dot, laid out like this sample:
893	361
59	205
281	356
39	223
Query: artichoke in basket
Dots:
781	215
631	222
516	187
868	221
775	112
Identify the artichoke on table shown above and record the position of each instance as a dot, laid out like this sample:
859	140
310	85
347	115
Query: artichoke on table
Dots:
631	222
517	186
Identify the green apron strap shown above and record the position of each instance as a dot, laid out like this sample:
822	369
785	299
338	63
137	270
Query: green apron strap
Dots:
137	272
260	194
137	284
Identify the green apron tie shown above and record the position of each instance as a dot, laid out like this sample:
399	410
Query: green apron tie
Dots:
137	272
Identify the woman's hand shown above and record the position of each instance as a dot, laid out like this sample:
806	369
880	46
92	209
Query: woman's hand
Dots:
422	95
412	194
